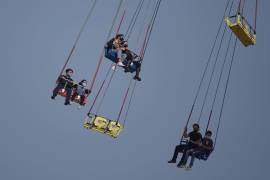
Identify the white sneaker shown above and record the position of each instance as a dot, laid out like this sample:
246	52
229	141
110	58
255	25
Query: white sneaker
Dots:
80	107
113	67
120	64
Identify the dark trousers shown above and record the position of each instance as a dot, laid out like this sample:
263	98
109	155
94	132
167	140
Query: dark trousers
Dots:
62	86
182	148
138	70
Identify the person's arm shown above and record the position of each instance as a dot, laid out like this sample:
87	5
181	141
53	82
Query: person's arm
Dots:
209	147
185	133
61	79
198	142
87	91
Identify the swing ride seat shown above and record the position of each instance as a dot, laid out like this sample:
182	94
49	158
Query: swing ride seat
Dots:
103	125
63	93
111	54
203	156
200	156
241	29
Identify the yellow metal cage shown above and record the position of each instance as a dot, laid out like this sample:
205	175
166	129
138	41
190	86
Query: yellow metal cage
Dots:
241	29
103	125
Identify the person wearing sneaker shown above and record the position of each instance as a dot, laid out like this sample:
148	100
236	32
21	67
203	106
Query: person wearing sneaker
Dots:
204	149
193	142
82	91
64	82
114	47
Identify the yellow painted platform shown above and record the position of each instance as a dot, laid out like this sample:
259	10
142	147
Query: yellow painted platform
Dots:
243	32
103	125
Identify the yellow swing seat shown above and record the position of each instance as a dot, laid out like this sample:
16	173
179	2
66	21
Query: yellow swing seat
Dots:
103	125
242	30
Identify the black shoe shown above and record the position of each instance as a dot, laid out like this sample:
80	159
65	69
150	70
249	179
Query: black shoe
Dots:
127	69
52	97
172	161
180	165
137	78
67	103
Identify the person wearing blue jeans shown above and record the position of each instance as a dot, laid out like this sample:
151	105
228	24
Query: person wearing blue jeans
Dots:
113	49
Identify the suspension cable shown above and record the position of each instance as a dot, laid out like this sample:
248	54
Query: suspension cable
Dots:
255	18
213	70
108	36
206	66
133	20
78	37
219	80
225	93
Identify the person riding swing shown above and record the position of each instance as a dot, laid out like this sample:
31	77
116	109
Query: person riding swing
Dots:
66	83
195	138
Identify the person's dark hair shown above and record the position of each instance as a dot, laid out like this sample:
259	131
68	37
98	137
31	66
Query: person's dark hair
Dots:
82	81
119	36
209	133
125	44
69	70
196	124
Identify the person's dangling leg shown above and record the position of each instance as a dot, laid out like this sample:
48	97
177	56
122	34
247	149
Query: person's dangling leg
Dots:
138	70
56	90
186	148
193	155
68	97
119	56
82	100
74	96
185	157
177	150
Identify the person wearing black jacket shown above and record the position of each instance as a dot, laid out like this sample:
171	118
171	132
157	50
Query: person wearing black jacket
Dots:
195	138
130	58
64	82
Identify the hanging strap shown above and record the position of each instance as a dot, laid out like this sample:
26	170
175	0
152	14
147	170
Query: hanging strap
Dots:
78	37
219	81
213	69
130	26
243	6
124	101
129	103
109	70
133	20
206	67
225	92
151	27
146	40
212	75
107	38
128	32
255	18
105	91
144	20
239	7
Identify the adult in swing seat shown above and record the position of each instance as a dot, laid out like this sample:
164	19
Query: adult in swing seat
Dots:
195	138
64	87
201	152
